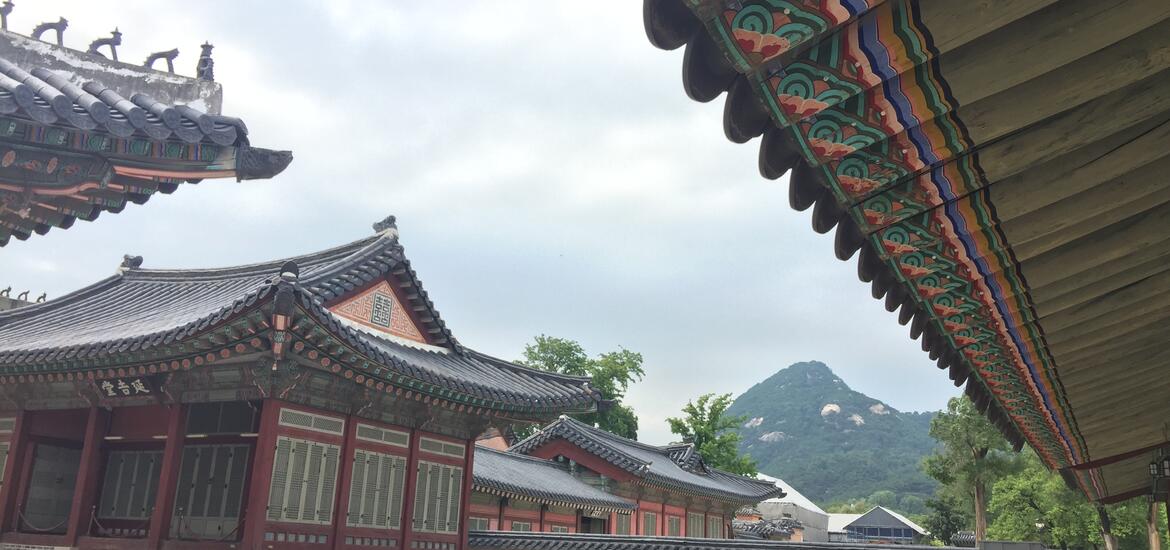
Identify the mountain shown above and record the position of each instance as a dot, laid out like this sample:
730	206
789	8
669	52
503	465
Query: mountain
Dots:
833	444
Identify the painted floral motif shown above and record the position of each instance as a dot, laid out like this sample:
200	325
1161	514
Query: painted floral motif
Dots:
760	47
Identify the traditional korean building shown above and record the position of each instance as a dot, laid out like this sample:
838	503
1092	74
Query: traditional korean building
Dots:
310	402
999	170
674	492
82	133
877	526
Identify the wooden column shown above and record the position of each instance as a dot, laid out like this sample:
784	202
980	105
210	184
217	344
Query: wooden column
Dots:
500	520
1152	526
540	518
408	495
465	504
17	447
341	495
256	512
85	491
168	477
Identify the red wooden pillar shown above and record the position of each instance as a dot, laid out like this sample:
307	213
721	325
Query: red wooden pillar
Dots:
408	495
540	518
341	504
256	512
168	479
85	491
17	448
465	504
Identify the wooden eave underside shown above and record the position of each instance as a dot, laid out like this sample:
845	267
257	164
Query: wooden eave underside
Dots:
1067	111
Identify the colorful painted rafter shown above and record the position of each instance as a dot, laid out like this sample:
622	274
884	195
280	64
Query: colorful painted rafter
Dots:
856	86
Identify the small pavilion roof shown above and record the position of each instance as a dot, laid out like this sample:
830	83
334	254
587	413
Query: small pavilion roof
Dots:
1000	174
667	466
534	479
148	316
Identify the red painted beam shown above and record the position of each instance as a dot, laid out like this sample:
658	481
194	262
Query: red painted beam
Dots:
17	445
256	512
341	495
465	504
408	495
85	491
1097	463
1121	497
164	502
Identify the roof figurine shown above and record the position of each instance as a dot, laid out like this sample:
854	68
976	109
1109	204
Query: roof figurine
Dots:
114	40
59	26
205	68
5	9
84	133
168	55
129	262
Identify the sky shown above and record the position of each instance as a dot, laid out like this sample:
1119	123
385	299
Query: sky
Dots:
548	173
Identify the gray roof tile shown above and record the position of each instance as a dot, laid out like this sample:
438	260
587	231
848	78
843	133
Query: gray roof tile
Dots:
672	466
515	475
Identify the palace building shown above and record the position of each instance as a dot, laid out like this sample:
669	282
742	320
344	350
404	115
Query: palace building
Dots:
570	477
309	402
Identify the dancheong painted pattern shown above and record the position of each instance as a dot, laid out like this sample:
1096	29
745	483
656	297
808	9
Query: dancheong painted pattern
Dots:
856	103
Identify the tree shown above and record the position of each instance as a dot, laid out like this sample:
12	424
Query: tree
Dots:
712	431
1035	504
946	518
611	373
972	457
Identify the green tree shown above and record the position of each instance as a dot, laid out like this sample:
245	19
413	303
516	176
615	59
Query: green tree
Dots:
973	455
712	431
1035	504
946	517
611	373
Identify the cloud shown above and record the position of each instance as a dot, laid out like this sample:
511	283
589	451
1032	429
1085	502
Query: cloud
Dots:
548	173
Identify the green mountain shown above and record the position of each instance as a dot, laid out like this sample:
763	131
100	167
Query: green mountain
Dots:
833	444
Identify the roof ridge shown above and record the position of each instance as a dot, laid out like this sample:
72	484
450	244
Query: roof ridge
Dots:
655	448
510	454
17	313
256	268
529	370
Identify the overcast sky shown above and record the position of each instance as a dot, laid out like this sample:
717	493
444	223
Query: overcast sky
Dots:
548	172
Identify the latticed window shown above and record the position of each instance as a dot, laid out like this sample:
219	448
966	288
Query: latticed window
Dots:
436	498
3	460
714	528
695	525
304	475
650	523
558	529
521	526
673	526
210	491
623	524
130	484
50	488
376	490
478	524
